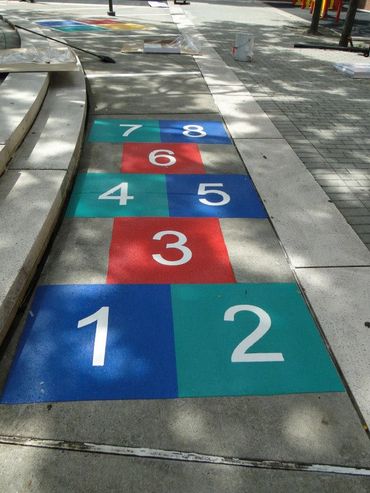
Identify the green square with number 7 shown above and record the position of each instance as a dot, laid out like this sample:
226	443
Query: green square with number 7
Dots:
116	130
248	339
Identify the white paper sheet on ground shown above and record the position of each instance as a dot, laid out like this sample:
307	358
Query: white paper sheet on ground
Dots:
32	59
355	70
177	44
161	5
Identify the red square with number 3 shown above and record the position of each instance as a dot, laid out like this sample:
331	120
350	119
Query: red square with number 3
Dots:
161	158
168	251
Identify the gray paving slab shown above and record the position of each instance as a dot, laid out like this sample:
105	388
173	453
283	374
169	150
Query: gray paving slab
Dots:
312	428
245	118
29	205
340	298
80	252
152	84
100	157
220	159
254	251
215	73
311	228
150	104
129	63
41	470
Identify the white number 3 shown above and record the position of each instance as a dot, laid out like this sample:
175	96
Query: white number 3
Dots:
240	352
179	245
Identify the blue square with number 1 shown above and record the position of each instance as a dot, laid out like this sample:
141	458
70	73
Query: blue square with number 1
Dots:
95	342
198	132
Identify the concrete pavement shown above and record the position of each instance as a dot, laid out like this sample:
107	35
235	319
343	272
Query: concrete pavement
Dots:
242	425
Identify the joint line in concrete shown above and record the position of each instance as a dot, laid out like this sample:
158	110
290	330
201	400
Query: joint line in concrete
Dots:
148	453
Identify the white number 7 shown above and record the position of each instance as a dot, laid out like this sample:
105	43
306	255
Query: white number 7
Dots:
131	128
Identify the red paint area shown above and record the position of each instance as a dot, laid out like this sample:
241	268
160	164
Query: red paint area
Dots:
132	247
136	158
97	21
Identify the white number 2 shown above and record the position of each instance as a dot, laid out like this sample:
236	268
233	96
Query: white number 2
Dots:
165	154
179	245
202	190
239	354
101	333
123	197
194	131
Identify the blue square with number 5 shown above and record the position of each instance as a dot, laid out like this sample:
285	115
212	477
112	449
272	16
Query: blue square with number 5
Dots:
95	342
198	132
213	196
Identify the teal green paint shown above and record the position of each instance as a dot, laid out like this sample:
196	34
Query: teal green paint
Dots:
205	342
75	28
109	130
149	192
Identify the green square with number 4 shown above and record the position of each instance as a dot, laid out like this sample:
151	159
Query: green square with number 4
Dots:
248	339
118	195
116	130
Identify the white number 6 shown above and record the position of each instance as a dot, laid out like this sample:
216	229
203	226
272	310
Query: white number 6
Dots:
239	354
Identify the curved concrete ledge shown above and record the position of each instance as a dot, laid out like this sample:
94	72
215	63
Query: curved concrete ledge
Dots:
34	187
21	97
9	37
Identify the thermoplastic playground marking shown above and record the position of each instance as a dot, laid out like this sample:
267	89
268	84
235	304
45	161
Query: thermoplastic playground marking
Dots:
186	131
97	342
130	195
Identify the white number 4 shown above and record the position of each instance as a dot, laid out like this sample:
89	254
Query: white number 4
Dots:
123	197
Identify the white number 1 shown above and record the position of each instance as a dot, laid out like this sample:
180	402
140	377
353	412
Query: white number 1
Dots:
101	332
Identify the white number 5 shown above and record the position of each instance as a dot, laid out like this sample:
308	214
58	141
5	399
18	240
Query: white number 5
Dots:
239	354
202	190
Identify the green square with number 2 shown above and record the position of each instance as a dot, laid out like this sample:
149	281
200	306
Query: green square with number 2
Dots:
116	130
248	339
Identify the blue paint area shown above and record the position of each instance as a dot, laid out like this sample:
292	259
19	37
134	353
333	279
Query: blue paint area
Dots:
187	193
198	132
59	23
54	358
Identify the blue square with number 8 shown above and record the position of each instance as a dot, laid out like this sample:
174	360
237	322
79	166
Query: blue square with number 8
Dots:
198	132
95	342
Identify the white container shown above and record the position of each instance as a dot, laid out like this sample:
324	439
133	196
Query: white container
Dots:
243	47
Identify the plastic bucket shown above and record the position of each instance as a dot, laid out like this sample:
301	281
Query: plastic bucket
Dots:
243	47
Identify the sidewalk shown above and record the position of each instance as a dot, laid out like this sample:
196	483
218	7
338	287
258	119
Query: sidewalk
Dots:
165	241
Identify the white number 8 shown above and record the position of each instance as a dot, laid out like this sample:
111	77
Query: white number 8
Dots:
195	131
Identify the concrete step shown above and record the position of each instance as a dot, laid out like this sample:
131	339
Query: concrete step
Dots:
35	184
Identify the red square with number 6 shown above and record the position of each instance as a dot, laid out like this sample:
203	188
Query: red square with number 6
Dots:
167	251
161	158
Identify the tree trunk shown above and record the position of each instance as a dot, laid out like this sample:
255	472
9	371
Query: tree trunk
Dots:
348	23
314	28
